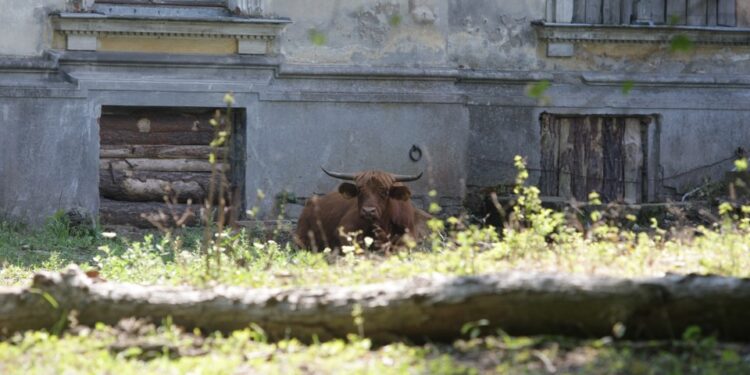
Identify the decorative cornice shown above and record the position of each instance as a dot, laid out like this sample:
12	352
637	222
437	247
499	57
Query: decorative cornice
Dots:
84	29
226	27
659	34
151	59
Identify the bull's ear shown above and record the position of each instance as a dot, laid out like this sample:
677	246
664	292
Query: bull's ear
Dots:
400	192
348	190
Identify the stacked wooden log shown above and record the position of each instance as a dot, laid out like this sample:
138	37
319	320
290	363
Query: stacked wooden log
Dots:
157	158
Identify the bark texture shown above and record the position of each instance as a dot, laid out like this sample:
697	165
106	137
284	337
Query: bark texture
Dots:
147	186
425	308
157	151
136	214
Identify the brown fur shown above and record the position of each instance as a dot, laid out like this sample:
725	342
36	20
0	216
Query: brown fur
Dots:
325	218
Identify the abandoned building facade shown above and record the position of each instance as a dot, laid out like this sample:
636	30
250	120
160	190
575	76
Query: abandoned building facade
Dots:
640	100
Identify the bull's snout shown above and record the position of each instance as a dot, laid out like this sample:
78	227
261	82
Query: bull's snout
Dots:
369	212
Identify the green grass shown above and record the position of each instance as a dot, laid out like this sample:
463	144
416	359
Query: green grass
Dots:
136	348
176	260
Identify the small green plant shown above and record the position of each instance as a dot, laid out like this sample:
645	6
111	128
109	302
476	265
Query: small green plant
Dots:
680	43
58	225
317	38
395	20
627	87
528	213
217	239
474	329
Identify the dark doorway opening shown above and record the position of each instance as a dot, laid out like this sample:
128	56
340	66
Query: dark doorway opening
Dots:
154	164
602	153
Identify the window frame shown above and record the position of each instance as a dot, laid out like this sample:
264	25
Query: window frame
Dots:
204	3
645	12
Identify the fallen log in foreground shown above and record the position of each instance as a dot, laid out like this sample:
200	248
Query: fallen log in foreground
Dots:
422	308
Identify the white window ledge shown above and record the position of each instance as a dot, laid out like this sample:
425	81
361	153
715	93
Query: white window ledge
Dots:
660	34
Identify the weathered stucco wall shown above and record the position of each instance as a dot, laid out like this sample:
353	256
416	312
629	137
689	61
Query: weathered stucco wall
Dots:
25	26
49	153
654	58
292	140
413	33
699	145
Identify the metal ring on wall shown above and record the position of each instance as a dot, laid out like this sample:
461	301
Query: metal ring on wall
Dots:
415	154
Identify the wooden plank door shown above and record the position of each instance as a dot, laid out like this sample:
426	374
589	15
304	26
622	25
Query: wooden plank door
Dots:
583	154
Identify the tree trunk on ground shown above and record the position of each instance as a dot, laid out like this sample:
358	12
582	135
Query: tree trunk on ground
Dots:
427	308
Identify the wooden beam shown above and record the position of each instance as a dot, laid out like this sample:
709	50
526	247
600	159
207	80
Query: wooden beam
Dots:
550	143
127	137
578	137
157	151
137	214
156	122
594	156
148	186
632	148
158	165
565	163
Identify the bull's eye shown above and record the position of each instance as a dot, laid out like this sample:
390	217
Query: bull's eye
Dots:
384	193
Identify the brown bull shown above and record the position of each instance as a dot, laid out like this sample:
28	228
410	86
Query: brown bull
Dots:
375	205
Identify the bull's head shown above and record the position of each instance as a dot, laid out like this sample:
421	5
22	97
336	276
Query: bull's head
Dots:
373	189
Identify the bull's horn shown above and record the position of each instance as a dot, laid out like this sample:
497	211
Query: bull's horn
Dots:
341	176
406	178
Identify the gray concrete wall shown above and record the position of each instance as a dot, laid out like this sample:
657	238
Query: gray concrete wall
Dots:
49	152
291	141
473	34
695	145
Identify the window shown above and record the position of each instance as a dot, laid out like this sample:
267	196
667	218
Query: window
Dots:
721	22
166	2
646	12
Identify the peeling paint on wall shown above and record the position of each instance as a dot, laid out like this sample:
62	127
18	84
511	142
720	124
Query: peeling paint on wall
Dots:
26	28
654	58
